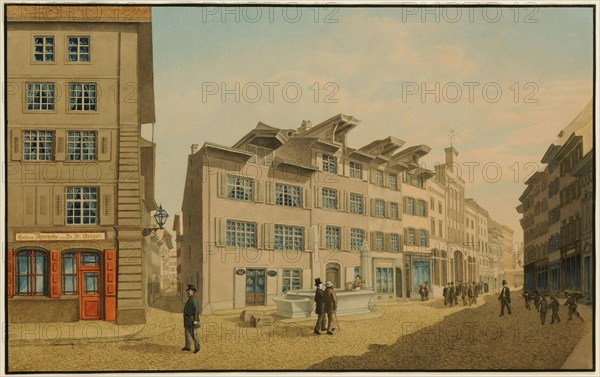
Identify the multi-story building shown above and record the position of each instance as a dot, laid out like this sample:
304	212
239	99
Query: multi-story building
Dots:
80	181
551	206
441	273
584	171
508	255
483	258
178	229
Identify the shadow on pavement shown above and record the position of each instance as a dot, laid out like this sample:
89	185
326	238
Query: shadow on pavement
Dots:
169	302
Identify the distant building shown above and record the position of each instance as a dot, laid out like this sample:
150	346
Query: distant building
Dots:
81	181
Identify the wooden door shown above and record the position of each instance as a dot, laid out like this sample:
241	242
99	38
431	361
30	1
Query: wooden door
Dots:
255	286
89	281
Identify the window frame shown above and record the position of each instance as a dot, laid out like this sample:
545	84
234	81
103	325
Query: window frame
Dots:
82	207
379	208
69	97
354	205
379	241
328	163
37	142
394	244
290	271
329	198
394	210
26	108
354	239
81	142
283	195
247	242
393	178
233	188
354	169
379	178
34	45
31	274
67	53
332	239
295	237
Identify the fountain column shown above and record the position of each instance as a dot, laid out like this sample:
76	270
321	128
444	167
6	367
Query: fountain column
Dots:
365	266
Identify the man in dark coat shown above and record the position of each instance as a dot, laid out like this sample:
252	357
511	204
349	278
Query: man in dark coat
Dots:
330	299
554	306
572	304
504	299
451	294
320	307
191	319
445	294
543	308
527	297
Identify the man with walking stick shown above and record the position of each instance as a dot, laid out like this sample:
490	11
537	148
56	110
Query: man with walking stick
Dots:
330	299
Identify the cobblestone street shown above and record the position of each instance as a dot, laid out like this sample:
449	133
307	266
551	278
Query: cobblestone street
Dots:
406	336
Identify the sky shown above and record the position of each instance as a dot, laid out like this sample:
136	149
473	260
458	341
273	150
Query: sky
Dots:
505	80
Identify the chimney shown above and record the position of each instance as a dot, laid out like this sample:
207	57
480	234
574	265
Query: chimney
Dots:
451	153
306	125
194	148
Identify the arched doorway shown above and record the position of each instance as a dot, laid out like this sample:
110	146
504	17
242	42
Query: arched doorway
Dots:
332	274
398	282
458	266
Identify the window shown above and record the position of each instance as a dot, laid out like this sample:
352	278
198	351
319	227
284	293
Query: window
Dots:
291	280
421	208
357	237
81	145
432	227
289	238
394	210
241	234
287	195
384	278
240	188
410	236
378	177
419	182
409	178
43	49
31	273
410	206
439	206
356	203
393	181
329	164
329	198
432	204
355	170
40	96
422	237
69	274
394	243
82	97
262	156
82	205
379	208
378	241
78	49
332	238
37	145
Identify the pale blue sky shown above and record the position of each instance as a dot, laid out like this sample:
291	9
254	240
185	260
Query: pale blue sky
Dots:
373	55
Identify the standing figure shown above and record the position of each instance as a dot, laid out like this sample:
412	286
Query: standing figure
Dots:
475	293
464	293
504	299
536	300
471	293
554	306
456	293
330	299
426	287
422	292
527	298
191	319
572	304
543	308
451	294
321	324
445	293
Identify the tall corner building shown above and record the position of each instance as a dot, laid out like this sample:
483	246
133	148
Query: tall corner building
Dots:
80	176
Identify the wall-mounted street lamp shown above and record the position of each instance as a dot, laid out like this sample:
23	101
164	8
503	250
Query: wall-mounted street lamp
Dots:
161	218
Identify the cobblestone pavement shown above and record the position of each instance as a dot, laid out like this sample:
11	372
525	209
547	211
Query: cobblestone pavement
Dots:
407	336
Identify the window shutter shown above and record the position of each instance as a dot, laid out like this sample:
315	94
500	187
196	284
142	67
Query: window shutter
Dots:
260	239
401	238
318	197
10	265
306	199
221	185
406	236
387	212
386	242
28	205
54	273
339	200
404	206
61	145
259	192
103	143
322	236
386	180
270	192
107	205
110	284
373	207
372	240
426	209
58	215
365	205
345	238
42	215
346	201
17	145
269	240
220	231
309	238
319	161
373	174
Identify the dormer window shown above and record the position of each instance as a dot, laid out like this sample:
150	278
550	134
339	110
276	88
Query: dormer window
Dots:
329	164
262	156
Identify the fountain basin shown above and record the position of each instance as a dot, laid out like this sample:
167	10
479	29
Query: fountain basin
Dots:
300	304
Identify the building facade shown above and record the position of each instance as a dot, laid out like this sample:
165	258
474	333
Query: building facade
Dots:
81	177
556	257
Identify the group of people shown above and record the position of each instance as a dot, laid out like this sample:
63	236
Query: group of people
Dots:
467	291
424	291
542	305
325	307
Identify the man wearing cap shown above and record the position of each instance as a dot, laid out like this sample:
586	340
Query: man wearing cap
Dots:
504	299
191	319
330	299
319	307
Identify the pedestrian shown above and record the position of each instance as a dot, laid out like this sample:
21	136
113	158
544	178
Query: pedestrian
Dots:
426	287
445	293
463	289
470	293
475	293
536	300
572	304
321	324
451	294
527	298
504	299
422	292
191	319
330	299
456	292
543	308
554	306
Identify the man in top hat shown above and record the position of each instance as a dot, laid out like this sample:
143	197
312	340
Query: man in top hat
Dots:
320	307
191	319
330	305
504	299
